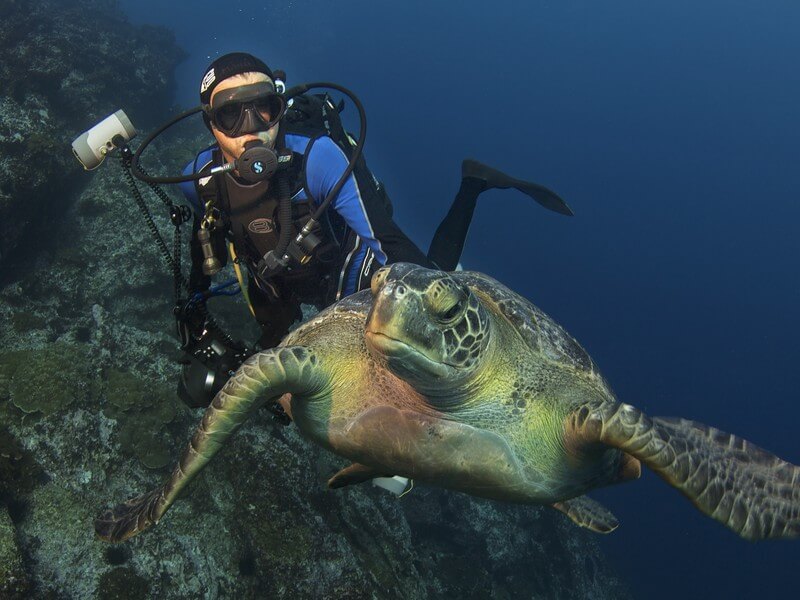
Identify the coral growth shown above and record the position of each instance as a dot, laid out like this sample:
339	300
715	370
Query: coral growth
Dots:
143	409
47	379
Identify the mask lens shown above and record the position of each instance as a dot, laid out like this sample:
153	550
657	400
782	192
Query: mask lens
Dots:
227	116
247	109
264	106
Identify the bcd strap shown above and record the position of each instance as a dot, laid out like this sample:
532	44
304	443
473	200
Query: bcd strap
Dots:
240	278
313	115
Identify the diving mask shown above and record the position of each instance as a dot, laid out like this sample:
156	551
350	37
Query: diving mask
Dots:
246	109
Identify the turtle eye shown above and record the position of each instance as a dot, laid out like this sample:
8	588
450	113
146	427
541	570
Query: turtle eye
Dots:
446	300
453	312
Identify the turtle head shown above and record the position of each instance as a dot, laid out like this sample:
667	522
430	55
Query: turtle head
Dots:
428	327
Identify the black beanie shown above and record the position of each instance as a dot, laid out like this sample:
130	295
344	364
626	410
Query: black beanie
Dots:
226	66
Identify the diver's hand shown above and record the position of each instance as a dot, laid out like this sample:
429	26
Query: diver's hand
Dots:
270	265
263	273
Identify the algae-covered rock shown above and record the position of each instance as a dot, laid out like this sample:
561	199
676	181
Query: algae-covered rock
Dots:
23	322
123	583
48	379
143	409
5	379
14	582
66	65
19	471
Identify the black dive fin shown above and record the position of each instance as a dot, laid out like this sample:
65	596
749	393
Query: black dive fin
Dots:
547	198
498	179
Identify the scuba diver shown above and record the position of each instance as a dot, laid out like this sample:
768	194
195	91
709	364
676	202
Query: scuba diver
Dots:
355	236
284	192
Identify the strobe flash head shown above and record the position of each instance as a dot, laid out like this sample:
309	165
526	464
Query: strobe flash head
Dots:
91	147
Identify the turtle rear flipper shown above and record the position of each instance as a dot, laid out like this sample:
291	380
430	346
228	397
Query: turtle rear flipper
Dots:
353	475
588	513
746	488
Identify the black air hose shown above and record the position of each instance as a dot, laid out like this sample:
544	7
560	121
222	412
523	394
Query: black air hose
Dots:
284	212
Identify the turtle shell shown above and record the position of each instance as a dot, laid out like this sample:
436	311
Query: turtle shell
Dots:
543	335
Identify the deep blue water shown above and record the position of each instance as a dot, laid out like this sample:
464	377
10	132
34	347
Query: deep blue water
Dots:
672	129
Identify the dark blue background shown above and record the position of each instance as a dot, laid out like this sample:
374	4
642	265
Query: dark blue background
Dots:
671	128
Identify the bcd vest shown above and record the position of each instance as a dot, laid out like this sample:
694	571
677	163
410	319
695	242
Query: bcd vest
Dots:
249	211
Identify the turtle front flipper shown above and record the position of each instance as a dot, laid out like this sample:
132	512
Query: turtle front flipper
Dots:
746	488
588	513
264	376
129	518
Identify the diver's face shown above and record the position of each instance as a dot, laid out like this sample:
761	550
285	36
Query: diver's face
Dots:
232	147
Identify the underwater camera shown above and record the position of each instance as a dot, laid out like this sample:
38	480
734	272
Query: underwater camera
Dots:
210	355
92	146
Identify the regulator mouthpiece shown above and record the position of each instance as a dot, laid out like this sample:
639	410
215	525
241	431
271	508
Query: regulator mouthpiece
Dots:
92	146
257	162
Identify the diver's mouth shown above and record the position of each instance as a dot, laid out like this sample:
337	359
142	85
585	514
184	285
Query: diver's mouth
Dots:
404	356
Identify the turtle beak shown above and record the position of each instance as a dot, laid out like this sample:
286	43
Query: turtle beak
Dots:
403	359
387	333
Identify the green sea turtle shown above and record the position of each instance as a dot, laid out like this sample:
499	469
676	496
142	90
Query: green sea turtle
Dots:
454	380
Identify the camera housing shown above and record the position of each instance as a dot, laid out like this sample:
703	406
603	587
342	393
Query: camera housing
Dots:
92	146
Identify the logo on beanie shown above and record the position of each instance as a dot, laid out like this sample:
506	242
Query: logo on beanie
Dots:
208	79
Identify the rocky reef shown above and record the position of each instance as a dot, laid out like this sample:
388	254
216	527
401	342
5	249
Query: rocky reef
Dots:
89	414
66	65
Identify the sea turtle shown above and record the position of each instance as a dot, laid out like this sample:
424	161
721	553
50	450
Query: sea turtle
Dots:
452	379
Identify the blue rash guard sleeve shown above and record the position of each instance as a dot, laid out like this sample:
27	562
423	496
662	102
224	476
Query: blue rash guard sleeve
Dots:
201	161
367	216
324	166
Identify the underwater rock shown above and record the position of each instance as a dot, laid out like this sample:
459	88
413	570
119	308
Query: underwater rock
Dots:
46	380
143	410
123	583
66	65
13	579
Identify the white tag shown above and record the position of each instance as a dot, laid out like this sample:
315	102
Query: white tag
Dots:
397	485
